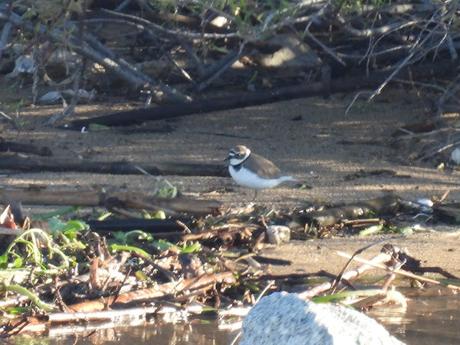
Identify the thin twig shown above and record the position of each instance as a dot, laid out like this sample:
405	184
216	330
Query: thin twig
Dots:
439	150
227	63
325	48
399	271
6	31
336	281
164	31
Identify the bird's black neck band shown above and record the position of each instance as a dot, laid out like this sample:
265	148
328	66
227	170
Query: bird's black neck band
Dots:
238	166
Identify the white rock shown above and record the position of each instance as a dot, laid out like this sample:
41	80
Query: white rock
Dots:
285	319
23	64
51	97
82	94
455	156
425	202
278	234
219	21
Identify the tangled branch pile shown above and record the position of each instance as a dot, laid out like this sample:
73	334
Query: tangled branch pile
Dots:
175	50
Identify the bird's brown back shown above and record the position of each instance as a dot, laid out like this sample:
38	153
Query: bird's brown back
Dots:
262	167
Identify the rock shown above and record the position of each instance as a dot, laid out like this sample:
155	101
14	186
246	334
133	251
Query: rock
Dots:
284	54
292	53
283	318
219	21
54	97
278	234
455	156
82	94
24	64
51	97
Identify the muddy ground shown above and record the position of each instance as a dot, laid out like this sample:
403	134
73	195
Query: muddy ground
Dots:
309	138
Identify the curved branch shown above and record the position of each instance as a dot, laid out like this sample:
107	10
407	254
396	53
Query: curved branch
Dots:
168	32
366	33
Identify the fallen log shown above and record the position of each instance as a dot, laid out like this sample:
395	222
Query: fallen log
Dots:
449	212
139	315
384	205
36	195
148	225
239	100
40	164
12	146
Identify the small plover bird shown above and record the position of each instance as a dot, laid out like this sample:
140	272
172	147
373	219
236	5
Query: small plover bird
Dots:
250	170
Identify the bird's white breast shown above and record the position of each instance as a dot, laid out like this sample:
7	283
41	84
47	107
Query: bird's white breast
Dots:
247	178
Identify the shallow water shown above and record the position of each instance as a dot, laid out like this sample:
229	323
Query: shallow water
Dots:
167	334
429	319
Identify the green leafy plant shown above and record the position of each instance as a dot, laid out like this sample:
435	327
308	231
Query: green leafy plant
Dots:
39	248
114	247
30	295
191	248
131	237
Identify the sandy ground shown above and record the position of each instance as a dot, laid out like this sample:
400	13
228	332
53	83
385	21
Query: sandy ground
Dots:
434	249
311	139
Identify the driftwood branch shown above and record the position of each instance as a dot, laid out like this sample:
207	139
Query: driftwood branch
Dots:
384	205
147	225
12	146
126	315
35	195
160	30
238	100
6	32
31	164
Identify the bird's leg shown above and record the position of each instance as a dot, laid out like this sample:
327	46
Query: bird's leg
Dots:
255	195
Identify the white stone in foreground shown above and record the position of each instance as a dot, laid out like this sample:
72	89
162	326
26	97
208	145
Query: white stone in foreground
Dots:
285	319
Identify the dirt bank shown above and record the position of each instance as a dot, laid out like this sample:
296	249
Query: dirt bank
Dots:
310	138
